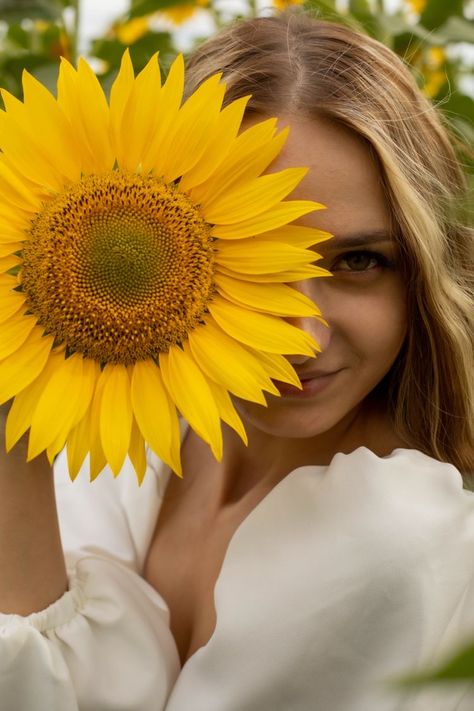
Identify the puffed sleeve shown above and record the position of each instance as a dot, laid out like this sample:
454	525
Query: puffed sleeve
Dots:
106	643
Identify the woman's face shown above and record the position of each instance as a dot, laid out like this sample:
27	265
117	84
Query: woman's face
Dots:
364	300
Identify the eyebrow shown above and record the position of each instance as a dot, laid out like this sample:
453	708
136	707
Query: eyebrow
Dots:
358	239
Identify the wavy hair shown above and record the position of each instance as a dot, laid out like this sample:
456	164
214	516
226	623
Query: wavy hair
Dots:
304	66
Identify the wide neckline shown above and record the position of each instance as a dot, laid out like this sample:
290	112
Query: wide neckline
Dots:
164	474
317	469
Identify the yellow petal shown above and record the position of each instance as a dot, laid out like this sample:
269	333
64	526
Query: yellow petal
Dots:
24	404
170	97
268	333
115	415
94	115
311	271
190	391
253	197
274	217
9	248
276	366
227	410
13	333
78	445
97	456
155	414
226	361
225	132
194	130
23	152
297	236
18	191
55	415
136	453
140	117
68	99
22	367
119	95
250	153
84	390
7	263
82	99
10	301
12	233
49	127
255	257
276	299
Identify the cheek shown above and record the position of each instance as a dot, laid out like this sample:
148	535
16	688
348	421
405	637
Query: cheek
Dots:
377	326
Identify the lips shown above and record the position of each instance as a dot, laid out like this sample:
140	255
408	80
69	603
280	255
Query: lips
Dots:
314	374
313	383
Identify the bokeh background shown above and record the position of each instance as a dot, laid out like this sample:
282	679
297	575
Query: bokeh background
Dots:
434	37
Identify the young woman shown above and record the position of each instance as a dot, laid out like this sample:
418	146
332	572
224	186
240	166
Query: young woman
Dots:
334	553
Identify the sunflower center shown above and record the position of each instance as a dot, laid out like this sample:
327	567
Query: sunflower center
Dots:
119	267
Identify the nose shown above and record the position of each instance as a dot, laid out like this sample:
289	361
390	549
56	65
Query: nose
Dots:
311	324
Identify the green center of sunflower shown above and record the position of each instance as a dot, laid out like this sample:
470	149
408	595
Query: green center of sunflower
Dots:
119	267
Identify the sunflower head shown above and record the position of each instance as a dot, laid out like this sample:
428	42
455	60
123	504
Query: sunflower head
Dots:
146	259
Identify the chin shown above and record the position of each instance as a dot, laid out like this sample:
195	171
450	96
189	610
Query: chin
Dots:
284	420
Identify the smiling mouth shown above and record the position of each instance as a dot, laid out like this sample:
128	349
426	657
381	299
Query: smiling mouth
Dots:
312	385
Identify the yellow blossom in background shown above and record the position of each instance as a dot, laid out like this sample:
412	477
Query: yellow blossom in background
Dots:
145	258
283	4
433	71
417	6
179	14
131	31
435	57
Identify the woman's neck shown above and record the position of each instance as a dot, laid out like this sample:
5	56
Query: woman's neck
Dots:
247	471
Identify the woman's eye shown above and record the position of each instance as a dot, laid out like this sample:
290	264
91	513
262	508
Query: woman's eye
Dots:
359	262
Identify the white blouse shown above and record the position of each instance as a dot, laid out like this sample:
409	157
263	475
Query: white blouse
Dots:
341	579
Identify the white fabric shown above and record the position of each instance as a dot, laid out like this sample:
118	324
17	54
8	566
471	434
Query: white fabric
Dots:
342	578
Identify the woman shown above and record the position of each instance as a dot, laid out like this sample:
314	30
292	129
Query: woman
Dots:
332	554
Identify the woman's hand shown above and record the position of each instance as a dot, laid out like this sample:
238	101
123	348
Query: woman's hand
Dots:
33	572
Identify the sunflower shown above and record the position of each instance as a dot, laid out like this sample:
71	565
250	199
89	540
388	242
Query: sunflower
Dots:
284	4
143	265
177	14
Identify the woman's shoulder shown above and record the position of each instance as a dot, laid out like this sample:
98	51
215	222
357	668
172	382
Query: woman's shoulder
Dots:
404	503
406	478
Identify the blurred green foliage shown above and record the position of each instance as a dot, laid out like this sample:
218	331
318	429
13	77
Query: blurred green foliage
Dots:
34	34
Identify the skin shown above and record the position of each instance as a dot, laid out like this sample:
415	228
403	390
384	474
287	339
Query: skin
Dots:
364	304
31	558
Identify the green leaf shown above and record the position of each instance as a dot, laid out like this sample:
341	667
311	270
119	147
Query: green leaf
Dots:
437	12
18	36
460	106
146	7
325	7
398	26
17	10
457	29
111	51
459	668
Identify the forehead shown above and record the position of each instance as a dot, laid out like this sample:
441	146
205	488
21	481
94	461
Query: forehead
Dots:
343	175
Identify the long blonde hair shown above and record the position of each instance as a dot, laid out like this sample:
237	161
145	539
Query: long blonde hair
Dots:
305	66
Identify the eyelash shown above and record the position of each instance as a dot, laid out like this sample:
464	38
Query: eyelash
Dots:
382	260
